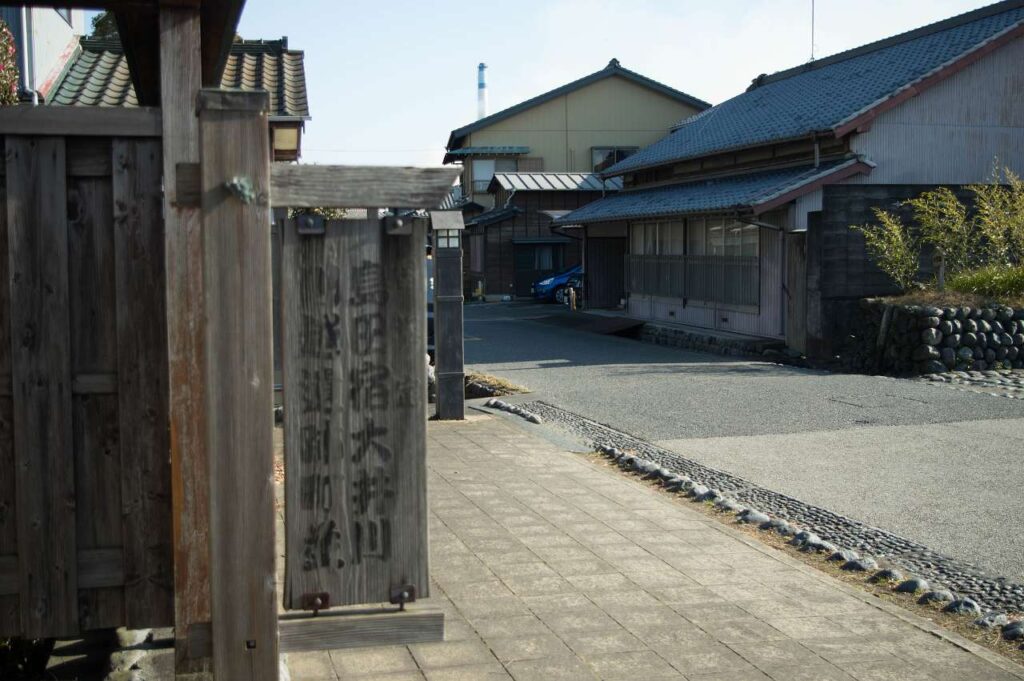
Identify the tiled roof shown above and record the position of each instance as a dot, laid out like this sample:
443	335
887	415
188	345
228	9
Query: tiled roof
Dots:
464	152
490	151
738	192
820	96
493	216
566	182
455	199
98	76
614	68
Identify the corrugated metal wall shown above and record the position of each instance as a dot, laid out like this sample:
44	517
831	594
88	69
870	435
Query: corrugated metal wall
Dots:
953	132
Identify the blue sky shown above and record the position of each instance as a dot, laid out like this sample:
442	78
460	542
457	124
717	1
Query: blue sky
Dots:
388	80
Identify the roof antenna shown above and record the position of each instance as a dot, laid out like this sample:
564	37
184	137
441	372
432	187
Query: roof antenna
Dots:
812	30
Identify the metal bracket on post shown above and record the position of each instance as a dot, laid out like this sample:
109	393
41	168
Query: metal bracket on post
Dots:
316	601
310	225
403	594
394	225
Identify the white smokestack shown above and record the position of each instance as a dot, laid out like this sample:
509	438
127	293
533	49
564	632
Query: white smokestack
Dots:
481	90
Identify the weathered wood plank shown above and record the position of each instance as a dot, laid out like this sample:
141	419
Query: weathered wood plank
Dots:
93	363
10	618
98	506
317	318
88	157
142	382
299	186
100	568
94	384
72	121
97	569
355	399
335	631
239	385
9	580
404	259
180	80
41	377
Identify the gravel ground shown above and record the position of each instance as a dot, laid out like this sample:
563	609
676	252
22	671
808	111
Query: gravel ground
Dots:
937	464
963	578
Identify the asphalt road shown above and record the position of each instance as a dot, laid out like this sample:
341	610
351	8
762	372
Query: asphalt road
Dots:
937	465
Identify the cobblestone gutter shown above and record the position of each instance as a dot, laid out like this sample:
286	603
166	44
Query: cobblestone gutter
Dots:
964	580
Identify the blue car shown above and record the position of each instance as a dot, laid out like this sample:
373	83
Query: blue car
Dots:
552	288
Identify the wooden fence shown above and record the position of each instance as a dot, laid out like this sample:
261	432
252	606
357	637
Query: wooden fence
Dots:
85	508
731	280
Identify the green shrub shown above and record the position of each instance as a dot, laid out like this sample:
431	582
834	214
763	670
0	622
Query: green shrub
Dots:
999	217
8	68
893	246
994	281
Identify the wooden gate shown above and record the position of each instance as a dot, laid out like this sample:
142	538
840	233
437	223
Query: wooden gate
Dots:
796	291
85	508
605	271
354	317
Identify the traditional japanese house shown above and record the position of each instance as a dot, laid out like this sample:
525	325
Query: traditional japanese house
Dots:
513	245
739	219
562	135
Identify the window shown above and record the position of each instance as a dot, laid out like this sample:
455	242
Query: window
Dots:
695	233
544	258
476	253
606	157
484	169
65	14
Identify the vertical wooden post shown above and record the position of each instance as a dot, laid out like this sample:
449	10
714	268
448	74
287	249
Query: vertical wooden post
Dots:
448	324
180	80
235	170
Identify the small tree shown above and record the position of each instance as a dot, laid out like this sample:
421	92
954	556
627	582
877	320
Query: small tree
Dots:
999	217
8	67
943	222
893	247
104	26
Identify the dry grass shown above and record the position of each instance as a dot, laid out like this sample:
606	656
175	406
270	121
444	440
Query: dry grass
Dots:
959	624
949	299
499	385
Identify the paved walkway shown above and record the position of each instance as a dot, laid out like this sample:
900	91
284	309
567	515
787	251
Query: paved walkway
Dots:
551	567
957	454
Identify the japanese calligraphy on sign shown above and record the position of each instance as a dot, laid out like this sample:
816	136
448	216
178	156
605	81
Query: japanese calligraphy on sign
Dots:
354	343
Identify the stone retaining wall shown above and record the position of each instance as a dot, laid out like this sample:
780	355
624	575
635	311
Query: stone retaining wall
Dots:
706	342
911	339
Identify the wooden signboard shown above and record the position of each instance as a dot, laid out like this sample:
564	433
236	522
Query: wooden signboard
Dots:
354	318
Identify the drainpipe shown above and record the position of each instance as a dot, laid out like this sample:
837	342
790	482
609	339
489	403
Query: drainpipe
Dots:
26	42
817	152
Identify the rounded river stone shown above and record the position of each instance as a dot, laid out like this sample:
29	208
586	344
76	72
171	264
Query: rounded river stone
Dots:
913	585
939	596
963	606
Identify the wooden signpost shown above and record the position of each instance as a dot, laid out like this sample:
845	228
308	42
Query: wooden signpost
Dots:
353	301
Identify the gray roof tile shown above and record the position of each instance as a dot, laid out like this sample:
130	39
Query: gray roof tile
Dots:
98	76
821	95
737	192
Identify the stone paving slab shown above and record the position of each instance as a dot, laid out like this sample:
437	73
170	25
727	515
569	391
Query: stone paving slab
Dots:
550	567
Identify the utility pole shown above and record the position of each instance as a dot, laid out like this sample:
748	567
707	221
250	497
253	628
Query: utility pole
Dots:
812	30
